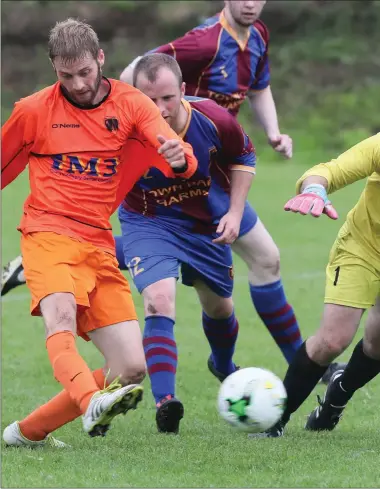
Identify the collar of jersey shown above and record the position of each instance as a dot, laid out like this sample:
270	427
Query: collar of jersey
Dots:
231	31
187	106
92	106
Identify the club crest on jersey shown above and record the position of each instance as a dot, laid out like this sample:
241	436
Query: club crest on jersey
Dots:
111	123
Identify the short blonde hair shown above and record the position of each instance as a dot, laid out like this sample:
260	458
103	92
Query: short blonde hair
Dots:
72	39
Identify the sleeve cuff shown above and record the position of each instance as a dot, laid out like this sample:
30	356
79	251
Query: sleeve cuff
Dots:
248	169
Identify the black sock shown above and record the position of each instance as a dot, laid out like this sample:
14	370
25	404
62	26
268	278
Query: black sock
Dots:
358	372
302	376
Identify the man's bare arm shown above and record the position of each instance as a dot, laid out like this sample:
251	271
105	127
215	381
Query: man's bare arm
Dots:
127	74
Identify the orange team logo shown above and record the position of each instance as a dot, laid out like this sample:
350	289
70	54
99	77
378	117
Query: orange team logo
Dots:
111	123
231	272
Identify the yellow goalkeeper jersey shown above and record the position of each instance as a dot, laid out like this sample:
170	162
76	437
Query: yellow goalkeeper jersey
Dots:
361	161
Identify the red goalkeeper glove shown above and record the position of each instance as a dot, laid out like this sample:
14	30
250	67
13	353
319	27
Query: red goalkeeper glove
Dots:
314	201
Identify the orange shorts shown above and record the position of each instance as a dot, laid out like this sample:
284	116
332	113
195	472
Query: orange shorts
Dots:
56	263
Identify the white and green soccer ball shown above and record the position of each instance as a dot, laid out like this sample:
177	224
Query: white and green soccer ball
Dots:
252	399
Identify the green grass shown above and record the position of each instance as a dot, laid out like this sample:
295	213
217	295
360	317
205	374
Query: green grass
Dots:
207	453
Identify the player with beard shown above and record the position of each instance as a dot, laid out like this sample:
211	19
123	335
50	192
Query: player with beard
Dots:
72	135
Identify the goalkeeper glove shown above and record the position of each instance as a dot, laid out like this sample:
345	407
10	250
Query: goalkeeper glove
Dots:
314	201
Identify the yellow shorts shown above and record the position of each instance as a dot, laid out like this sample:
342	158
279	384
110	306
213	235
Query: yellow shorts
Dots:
56	263
351	277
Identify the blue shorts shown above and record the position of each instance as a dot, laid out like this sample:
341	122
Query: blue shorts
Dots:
248	221
155	247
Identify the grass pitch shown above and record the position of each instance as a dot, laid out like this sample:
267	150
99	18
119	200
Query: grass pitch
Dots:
207	453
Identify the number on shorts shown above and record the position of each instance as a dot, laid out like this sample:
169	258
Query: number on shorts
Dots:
337	270
133	266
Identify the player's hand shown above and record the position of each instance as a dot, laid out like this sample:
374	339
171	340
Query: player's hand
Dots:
314	201
173	152
283	144
228	228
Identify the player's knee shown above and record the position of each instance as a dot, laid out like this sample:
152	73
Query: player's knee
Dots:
270	262
59	315
265	268
328	347
160	304
133	373
220	309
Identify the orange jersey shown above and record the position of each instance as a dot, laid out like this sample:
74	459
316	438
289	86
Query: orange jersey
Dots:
76	172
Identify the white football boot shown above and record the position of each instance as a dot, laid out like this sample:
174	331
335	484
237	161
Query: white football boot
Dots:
108	403
14	438
12	276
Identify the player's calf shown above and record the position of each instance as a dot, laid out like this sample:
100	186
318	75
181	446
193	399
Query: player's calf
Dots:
221	329
121	346
262	258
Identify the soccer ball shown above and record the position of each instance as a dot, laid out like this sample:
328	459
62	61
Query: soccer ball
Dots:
252	399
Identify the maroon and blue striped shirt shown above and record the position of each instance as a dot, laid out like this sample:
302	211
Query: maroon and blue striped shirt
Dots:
215	64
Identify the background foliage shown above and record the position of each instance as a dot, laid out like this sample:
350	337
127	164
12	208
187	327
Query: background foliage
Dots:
324	55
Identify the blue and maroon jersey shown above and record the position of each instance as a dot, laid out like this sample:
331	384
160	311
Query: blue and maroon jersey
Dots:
215	64
220	145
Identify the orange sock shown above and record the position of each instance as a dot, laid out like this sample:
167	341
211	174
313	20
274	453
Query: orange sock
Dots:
55	413
70	369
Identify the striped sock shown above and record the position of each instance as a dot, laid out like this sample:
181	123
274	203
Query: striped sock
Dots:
278	316
161	355
222	336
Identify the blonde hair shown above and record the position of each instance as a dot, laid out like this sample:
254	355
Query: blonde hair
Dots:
72	39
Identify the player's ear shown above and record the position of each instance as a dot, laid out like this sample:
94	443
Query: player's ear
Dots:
101	57
183	89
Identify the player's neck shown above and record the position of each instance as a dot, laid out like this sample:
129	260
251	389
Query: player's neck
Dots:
180	123
241	31
103	91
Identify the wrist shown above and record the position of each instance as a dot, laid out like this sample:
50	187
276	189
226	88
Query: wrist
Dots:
181	169
273	137
273	134
317	189
236	212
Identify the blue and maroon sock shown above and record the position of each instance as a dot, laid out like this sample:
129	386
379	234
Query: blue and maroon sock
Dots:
222	335
160	351
120	252
278	316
